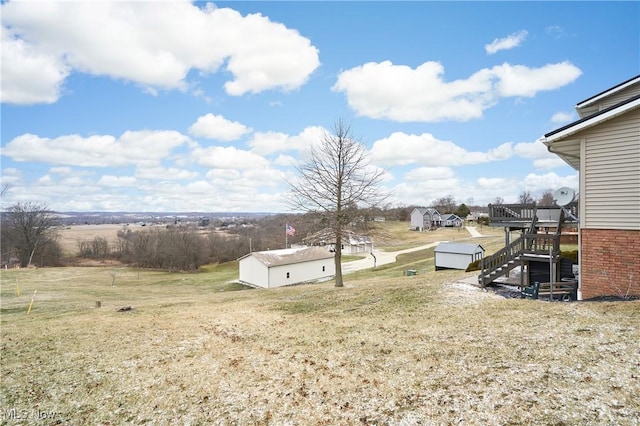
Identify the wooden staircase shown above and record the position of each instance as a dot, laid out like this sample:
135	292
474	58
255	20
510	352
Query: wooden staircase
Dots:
531	245
501	262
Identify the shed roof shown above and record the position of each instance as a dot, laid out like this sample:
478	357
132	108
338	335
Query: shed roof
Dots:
460	248
290	256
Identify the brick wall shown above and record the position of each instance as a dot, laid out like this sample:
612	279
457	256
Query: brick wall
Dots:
610	263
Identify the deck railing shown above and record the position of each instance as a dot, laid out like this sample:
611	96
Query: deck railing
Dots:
500	214
511	212
541	244
501	257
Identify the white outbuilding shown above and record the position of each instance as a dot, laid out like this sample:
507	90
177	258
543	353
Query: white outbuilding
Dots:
278	268
456	255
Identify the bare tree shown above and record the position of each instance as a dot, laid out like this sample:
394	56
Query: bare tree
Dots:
547	198
336	181
26	229
445	204
526	198
498	201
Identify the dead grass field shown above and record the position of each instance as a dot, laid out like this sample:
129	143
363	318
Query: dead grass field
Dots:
386	349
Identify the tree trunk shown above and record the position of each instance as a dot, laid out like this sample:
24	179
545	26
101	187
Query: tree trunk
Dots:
338	256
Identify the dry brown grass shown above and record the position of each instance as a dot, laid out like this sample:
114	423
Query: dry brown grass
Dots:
69	237
425	349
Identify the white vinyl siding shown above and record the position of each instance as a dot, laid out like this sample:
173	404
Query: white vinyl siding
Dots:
301	272
254	272
611	168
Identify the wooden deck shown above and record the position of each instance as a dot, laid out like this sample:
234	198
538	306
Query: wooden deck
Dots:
520	216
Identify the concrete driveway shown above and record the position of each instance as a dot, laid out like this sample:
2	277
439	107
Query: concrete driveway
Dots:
382	258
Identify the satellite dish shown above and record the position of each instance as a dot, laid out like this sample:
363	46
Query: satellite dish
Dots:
563	196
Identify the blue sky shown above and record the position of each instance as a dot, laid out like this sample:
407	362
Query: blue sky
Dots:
178	106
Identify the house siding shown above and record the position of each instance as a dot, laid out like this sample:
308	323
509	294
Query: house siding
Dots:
300	272
611	168
253	272
609	263
417	220
424	219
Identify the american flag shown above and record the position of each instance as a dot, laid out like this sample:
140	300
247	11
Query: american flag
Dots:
290	230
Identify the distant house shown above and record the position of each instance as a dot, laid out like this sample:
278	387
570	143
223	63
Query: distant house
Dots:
456	255
477	215
451	220
425	219
277	268
603	145
352	243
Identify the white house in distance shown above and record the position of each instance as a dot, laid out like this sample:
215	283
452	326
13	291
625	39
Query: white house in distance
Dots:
278	268
352	243
424	218
456	255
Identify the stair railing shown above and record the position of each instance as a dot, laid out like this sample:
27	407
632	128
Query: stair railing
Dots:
500	258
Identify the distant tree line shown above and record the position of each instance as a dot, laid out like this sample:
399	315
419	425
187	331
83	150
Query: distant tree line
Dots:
28	235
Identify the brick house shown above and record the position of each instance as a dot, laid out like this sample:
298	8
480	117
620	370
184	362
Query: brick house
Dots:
603	145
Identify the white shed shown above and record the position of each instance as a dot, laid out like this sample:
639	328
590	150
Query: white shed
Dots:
277	268
456	255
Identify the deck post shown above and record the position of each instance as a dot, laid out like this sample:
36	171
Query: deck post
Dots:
507	241
551	275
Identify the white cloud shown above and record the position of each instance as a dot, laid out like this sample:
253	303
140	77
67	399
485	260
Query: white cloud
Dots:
162	173
145	147
556	31
217	127
538	152
508	42
285	161
229	158
399	93
492	183
265	143
402	149
61	170
519	80
537	184
149	43
29	75
562	117
422	174
117	181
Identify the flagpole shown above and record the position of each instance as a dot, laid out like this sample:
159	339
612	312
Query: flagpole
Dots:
286	237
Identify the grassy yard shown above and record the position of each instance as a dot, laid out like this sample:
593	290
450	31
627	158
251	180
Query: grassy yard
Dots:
387	349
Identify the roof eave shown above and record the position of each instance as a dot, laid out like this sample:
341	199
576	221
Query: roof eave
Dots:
608	92
587	122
